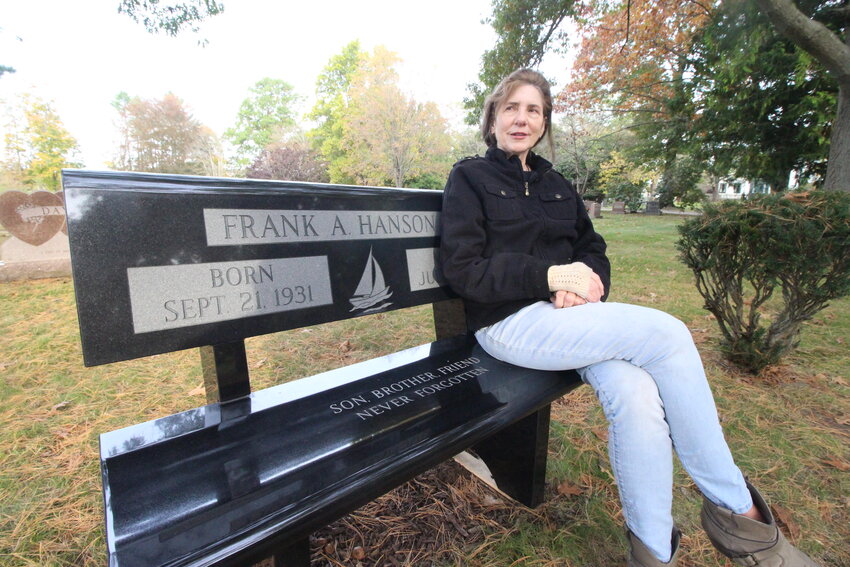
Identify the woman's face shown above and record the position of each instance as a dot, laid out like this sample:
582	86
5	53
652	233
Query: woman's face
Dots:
519	121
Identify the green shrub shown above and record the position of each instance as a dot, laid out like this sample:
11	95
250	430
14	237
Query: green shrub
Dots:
740	252
679	184
630	193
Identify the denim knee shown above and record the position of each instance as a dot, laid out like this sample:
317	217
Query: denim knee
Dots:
667	328
626	392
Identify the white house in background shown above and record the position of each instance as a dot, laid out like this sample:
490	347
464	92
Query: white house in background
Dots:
739	188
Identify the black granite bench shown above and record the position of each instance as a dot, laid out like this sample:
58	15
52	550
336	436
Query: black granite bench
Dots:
163	263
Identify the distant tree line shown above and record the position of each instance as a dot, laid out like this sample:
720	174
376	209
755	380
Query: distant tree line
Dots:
664	95
365	131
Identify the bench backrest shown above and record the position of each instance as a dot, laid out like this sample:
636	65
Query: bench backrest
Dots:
166	262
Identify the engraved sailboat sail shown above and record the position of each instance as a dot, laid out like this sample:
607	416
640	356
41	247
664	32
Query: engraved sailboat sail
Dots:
372	289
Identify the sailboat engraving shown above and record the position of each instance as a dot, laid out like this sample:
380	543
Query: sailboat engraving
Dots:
372	289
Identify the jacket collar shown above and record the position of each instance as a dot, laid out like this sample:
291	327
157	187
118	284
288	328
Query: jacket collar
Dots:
500	158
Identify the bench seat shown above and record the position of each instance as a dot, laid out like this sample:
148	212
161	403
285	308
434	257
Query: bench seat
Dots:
234	482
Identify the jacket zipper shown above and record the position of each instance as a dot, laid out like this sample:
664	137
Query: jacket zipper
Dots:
527	194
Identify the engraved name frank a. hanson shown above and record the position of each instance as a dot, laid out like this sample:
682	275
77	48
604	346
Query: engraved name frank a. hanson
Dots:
236	227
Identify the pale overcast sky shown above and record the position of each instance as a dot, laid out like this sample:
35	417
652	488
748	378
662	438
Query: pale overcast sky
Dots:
81	54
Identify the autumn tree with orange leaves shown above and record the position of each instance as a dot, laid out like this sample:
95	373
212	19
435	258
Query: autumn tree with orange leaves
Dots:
705	86
633	54
633	60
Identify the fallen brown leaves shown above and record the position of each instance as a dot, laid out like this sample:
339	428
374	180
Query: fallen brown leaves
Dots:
784	519
433	518
567	488
839	464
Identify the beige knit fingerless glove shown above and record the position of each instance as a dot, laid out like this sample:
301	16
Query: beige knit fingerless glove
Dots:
573	277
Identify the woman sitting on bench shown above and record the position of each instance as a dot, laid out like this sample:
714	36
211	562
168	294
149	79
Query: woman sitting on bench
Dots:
520	249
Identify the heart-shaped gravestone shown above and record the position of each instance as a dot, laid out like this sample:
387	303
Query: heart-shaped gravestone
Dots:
32	217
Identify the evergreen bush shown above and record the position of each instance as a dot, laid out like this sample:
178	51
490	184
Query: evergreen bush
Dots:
628	192
741	252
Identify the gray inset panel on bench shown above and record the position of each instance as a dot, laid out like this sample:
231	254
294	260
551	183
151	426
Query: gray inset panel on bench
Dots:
169	297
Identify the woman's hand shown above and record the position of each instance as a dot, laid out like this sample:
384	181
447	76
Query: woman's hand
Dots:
561	299
596	289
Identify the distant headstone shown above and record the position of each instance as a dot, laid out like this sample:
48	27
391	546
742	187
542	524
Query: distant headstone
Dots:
38	243
594	209
619	207
652	208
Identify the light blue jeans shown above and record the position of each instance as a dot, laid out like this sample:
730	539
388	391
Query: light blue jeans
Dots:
646	371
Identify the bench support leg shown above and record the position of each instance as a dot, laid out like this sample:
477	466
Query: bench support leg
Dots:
449	318
516	457
225	369
296	555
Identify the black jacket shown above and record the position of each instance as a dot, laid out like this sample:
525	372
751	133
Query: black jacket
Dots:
500	234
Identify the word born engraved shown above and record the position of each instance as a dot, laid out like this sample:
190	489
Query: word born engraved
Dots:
238	227
169	297
409	390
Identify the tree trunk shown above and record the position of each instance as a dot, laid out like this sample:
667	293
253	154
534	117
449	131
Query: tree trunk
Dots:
838	167
779	180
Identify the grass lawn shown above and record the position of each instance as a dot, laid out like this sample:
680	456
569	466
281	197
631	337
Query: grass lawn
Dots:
789	428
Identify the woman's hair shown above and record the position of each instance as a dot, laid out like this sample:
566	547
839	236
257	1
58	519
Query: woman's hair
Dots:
503	90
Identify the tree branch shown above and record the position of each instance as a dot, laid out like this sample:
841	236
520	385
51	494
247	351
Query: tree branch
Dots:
812	36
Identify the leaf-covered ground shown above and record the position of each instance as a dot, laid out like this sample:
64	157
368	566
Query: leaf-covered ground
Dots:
789	429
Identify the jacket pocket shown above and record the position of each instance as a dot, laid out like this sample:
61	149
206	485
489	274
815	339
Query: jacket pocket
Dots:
501	204
558	205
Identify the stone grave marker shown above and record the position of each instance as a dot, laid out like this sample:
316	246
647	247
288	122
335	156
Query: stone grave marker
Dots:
594	209
37	246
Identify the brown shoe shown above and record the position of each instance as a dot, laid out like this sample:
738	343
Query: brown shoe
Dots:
641	556
749	542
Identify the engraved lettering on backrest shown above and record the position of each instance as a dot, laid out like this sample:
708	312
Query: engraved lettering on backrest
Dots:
168	297
238	227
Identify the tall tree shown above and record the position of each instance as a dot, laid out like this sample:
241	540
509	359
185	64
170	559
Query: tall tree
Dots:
765	107
822	31
14	143
584	142
526	30
264	117
389	137
633	54
161	136
40	145
332	99
467	142
712	82
289	161
209	154
170	18
634	61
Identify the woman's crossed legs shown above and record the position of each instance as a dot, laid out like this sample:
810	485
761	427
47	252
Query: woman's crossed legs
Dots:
646	371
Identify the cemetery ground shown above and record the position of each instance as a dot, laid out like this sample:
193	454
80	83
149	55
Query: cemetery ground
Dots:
789	429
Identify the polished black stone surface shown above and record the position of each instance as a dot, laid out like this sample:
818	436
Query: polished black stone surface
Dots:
163	263
195	267
272	467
